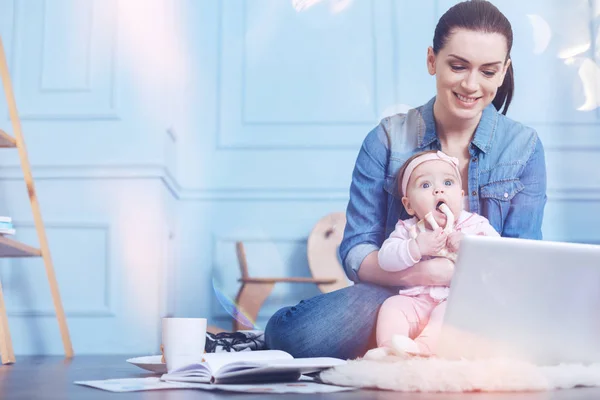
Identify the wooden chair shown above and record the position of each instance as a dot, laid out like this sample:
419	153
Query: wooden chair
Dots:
322	251
326	270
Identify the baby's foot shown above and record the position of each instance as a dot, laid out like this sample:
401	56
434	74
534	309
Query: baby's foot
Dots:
378	353
403	345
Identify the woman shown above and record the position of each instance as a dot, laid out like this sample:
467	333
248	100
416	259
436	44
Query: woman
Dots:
502	168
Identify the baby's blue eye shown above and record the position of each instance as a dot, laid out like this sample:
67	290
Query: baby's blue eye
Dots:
425	185
448	182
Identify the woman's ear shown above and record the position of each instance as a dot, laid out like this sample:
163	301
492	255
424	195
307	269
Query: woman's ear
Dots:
406	204
431	61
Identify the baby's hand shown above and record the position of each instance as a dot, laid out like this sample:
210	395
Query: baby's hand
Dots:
431	243
454	240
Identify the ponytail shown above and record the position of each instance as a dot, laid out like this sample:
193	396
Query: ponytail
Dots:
505	91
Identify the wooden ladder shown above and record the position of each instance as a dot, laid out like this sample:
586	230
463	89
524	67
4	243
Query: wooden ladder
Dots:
13	248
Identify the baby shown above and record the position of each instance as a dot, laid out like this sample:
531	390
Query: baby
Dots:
430	183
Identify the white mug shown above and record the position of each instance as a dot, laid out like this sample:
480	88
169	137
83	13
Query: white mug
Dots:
183	340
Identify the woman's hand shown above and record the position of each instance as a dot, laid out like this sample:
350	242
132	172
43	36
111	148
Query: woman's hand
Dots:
436	271
433	272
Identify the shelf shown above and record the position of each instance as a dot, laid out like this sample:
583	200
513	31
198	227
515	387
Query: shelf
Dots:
6	140
12	248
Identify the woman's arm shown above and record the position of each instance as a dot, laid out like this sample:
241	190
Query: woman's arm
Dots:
524	219
367	207
433	272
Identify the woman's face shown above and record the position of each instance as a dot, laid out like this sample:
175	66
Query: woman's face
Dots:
469	69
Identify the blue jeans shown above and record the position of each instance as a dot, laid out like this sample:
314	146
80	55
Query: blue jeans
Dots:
337	324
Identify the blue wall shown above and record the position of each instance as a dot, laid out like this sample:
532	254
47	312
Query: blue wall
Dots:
162	131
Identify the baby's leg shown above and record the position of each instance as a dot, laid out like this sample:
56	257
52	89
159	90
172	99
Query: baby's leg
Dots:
397	316
397	322
428	338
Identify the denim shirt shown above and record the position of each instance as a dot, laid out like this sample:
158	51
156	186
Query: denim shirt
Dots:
506	179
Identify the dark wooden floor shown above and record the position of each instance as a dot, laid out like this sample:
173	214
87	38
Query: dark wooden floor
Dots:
34	378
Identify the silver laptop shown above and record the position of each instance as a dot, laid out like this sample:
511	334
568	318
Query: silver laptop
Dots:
534	301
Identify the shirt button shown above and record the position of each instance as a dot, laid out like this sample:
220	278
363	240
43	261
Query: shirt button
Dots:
505	195
474	159
474	193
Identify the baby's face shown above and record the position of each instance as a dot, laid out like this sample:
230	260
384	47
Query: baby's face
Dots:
430	184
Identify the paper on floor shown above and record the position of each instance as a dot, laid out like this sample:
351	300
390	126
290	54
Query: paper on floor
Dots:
133	384
154	383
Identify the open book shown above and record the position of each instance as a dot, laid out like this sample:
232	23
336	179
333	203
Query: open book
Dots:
250	366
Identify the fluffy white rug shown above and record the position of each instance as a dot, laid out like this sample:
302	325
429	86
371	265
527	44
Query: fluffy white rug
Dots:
438	375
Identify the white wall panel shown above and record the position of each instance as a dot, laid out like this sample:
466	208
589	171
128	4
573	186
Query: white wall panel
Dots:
63	59
275	62
84	81
26	285
109	241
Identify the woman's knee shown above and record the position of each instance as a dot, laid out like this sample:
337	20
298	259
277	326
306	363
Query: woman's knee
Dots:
275	328
348	303
290	330
312	327
366	295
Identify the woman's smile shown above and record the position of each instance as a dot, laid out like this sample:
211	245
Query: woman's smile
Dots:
466	101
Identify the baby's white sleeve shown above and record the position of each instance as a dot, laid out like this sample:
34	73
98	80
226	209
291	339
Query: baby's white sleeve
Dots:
394	254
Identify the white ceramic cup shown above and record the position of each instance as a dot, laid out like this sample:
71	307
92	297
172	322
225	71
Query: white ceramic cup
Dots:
183	340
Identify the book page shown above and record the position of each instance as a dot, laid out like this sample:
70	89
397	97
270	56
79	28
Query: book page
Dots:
284	366
216	361
191	373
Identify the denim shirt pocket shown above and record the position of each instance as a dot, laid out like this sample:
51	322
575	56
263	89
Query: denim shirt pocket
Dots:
495	200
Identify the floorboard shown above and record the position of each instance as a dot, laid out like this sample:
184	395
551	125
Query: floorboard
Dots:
33	378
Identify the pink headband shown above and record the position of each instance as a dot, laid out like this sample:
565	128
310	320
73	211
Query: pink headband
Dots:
453	161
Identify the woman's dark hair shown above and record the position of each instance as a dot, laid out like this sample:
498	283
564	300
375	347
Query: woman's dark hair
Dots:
479	16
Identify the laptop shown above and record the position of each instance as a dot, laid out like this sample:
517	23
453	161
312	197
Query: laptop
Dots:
533	301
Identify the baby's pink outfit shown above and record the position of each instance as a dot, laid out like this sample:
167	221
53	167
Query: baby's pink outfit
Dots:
417	312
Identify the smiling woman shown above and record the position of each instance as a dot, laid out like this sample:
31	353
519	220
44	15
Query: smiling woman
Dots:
474	45
470	68
501	169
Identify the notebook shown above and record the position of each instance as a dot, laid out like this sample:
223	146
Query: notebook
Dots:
250	366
